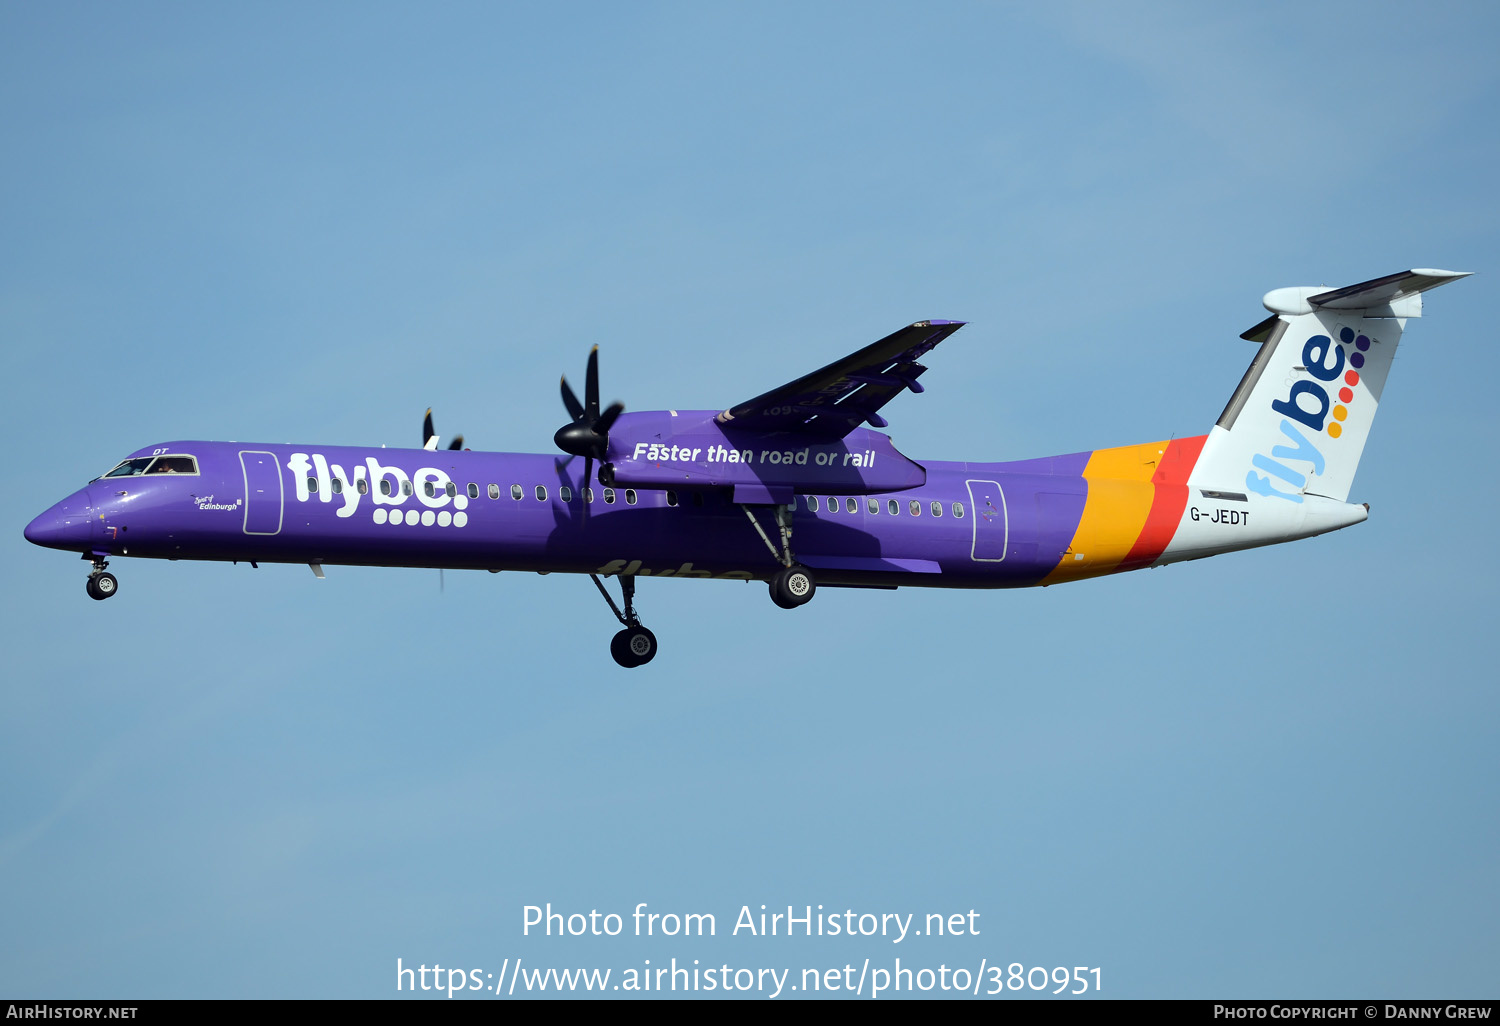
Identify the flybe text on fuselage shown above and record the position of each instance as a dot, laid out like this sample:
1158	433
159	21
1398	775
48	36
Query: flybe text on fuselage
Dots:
314	476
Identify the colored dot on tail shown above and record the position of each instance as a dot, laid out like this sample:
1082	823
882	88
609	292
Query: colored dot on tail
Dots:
1346	395
1362	343
1357	359
1351	378
1335	429
1340	412
1346	335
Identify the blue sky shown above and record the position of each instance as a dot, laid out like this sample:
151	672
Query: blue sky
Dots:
1270	774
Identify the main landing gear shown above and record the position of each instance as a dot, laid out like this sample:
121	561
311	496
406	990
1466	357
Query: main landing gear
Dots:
635	645
793	584
101	585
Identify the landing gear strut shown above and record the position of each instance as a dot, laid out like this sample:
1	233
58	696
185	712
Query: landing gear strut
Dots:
101	585
635	645
793	584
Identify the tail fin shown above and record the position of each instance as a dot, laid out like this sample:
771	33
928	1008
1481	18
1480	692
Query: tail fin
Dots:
1298	422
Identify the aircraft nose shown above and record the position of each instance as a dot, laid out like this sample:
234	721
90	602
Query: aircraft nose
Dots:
65	526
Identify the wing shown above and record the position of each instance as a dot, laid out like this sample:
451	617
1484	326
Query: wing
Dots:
831	402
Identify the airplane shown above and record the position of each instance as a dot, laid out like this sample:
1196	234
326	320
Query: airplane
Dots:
796	487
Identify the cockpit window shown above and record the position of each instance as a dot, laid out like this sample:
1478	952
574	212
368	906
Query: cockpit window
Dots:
174	465
130	467
155	465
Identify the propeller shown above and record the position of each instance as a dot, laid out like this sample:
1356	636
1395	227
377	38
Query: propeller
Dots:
587	435
430	438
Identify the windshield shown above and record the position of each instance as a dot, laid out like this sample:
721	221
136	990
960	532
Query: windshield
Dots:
155	465
130	467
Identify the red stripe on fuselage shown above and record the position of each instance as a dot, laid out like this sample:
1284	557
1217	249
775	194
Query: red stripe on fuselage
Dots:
1167	504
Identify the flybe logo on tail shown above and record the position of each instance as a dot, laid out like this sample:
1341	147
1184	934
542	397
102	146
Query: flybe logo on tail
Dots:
1309	404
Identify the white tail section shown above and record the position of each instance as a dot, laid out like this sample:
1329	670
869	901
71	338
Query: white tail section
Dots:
1298	422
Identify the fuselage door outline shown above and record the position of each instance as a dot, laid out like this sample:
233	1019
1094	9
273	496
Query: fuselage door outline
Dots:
264	491
991	522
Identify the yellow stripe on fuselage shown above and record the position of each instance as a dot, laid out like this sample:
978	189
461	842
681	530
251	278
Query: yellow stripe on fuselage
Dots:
1119	500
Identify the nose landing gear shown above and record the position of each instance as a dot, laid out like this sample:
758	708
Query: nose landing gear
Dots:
101	585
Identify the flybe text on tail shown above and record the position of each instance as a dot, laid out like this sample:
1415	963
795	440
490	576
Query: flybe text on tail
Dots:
1309	404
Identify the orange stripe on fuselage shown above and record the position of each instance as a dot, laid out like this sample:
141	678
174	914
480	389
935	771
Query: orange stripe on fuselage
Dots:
1119	503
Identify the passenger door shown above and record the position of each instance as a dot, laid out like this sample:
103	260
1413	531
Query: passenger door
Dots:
264	492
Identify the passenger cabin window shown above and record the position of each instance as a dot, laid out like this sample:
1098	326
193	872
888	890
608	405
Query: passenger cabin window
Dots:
833	504
893	506
338	486
851	504
565	493
515	492
873	505
937	508
362	486
312	484
385	486
672	499
915	507
609	496
427	488
473	490
494	491
958	510
452	489
405	487
541	493
630	496
812	503
588	495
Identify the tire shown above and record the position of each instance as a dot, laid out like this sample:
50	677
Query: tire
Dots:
634	646
102	585
793	587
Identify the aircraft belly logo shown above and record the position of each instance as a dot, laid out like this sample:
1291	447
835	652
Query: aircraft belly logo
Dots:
1309	404
385	486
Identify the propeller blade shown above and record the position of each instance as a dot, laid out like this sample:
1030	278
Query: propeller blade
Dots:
587	433
575	409
591	385
428	435
607	421
457	443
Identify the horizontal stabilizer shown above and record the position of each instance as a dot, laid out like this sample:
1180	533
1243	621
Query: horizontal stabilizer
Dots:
1395	295
1385	291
